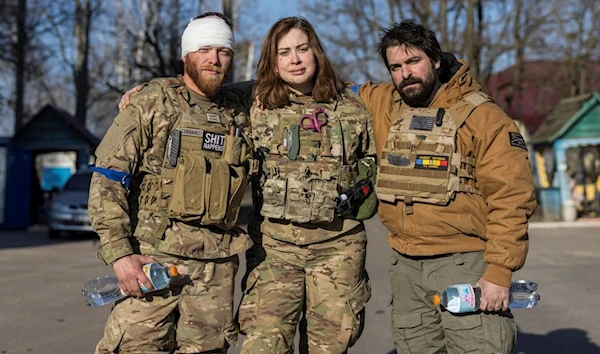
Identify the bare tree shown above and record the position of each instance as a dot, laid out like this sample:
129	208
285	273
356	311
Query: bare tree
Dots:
22	61
519	44
444	24
20	49
83	23
587	16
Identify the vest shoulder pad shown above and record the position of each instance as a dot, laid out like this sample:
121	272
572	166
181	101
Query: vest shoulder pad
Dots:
463	108
167	90
167	82
478	98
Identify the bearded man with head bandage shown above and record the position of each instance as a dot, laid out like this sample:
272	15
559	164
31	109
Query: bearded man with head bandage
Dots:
181	152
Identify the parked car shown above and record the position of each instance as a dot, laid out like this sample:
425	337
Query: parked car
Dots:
68	211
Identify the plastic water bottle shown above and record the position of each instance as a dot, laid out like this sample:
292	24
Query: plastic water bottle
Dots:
462	298
106	289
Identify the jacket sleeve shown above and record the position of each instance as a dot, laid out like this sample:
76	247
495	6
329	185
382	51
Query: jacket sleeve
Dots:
364	93
503	174
368	139
120	149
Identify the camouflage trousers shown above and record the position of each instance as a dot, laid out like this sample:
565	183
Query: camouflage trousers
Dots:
194	315
327	278
419	327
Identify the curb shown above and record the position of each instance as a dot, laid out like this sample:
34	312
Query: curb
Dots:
564	224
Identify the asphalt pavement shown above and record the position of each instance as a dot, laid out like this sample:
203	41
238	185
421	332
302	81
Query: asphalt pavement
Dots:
43	312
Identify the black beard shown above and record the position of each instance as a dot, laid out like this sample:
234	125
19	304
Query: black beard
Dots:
209	87
418	97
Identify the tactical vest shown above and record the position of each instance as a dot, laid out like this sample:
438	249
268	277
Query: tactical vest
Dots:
419	161
202	177
303	182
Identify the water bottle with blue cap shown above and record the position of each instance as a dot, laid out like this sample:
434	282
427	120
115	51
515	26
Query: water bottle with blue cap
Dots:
463	298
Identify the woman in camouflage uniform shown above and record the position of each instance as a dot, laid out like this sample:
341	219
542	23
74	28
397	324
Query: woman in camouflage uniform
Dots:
309	257
309	134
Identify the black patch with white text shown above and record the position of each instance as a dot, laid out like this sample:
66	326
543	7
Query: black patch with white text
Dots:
517	140
213	141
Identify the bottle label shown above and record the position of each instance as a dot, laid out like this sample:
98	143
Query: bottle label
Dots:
464	299
146	270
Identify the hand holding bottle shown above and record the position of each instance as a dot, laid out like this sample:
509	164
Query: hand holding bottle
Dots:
107	289
130	275
464	298
493	297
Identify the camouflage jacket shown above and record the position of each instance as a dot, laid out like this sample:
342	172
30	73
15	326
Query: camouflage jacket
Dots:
135	143
350	124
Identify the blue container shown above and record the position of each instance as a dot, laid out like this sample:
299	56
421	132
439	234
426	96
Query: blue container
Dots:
550	203
55	177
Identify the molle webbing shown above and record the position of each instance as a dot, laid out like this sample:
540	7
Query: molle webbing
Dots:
430	147
419	159
345	174
150	194
441	190
204	187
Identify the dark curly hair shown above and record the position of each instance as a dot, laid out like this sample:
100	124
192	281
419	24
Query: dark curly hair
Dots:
412	35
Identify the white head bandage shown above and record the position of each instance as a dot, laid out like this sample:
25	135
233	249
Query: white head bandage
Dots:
204	32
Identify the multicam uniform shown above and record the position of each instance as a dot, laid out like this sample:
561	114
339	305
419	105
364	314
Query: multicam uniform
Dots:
456	192
314	258
188	179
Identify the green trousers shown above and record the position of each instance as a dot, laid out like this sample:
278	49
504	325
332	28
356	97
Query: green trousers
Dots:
419	327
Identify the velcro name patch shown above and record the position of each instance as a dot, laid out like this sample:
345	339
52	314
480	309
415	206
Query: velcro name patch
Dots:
213	142
213	118
428	162
192	132
517	140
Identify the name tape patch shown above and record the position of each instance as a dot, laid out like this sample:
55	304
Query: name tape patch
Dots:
424	123
428	162
517	140
192	132
213	142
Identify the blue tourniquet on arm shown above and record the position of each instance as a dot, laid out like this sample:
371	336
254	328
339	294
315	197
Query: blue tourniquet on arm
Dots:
123	177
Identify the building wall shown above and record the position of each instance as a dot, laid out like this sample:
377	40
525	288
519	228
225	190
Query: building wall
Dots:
587	127
3	171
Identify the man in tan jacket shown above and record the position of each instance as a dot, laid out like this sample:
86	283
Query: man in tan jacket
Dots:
456	194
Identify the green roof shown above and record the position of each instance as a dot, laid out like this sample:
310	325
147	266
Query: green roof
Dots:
563	117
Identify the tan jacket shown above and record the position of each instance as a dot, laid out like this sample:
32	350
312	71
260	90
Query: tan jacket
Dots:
496	220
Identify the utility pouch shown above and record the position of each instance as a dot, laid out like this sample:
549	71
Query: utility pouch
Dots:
349	201
273	193
237	187
298	202
324	201
187	199
232	151
218	181
367	170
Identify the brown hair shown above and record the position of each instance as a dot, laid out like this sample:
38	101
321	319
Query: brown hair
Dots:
270	89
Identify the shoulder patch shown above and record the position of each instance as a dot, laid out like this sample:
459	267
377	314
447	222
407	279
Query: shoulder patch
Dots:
517	140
